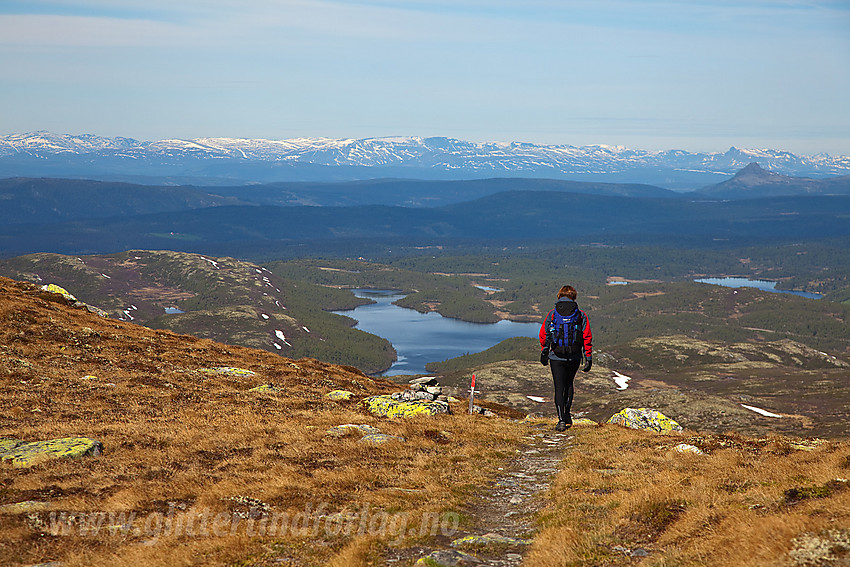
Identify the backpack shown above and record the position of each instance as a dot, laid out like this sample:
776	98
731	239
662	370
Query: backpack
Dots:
565	334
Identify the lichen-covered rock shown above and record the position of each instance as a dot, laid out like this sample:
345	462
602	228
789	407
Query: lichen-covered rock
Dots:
830	547
448	558
69	297
53	288
25	507
25	454
412	395
267	389
341	430
379	439
685	448
643	418
489	540
339	395
7	445
389	407
478	410
227	371
583	421
92	309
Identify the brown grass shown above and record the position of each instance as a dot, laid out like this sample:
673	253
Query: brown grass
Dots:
741	504
182	446
183	443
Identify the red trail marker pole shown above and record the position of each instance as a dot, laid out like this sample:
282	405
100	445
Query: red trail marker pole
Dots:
471	393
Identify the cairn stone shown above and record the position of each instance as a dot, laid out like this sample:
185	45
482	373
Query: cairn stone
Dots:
391	407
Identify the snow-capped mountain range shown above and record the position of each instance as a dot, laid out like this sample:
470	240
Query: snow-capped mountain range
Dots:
44	153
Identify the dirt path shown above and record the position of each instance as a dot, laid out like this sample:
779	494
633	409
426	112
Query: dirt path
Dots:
509	506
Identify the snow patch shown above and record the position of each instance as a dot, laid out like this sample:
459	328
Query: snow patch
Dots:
279	334
537	399
264	316
622	380
213	262
762	411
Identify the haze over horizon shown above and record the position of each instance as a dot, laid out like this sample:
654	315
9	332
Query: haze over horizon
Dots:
649	75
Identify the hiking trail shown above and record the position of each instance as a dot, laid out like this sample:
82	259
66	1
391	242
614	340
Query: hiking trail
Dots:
503	516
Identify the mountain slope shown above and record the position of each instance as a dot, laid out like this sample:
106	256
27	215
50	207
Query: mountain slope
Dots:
42	201
47	200
185	439
223	299
199	469
753	182
416	192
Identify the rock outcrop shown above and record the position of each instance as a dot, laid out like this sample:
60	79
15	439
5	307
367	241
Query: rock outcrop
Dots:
73	301
22	454
390	407
643	418
423	397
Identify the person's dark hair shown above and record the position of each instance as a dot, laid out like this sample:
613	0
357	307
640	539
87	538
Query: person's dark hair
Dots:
568	291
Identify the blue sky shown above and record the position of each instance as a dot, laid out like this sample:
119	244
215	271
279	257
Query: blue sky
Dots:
695	75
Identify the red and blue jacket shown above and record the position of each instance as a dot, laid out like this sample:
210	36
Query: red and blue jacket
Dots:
566	306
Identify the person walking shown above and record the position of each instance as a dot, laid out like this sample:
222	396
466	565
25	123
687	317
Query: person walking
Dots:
565	343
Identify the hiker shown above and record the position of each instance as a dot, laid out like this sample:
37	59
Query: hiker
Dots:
565	342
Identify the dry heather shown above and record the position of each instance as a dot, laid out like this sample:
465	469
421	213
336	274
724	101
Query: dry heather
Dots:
184	446
628	497
198	470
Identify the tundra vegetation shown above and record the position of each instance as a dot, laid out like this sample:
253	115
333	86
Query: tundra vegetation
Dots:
201	467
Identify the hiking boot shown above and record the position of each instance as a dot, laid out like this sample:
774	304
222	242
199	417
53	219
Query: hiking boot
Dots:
562	425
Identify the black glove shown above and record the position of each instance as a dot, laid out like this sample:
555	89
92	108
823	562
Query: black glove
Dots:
588	362
544	356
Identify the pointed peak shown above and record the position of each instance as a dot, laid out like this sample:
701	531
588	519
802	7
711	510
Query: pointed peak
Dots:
752	169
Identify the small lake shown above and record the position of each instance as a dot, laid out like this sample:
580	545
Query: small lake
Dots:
420	338
763	285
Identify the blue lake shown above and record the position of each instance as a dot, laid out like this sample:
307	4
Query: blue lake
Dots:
763	285
419	338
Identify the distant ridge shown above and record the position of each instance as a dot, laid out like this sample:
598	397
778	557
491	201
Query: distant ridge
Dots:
754	182
221	161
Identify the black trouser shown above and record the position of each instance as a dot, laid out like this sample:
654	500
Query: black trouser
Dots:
563	373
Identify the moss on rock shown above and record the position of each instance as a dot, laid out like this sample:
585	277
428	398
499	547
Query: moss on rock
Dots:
389	407
339	395
489	540
379	438
643	418
227	371
25	454
267	389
